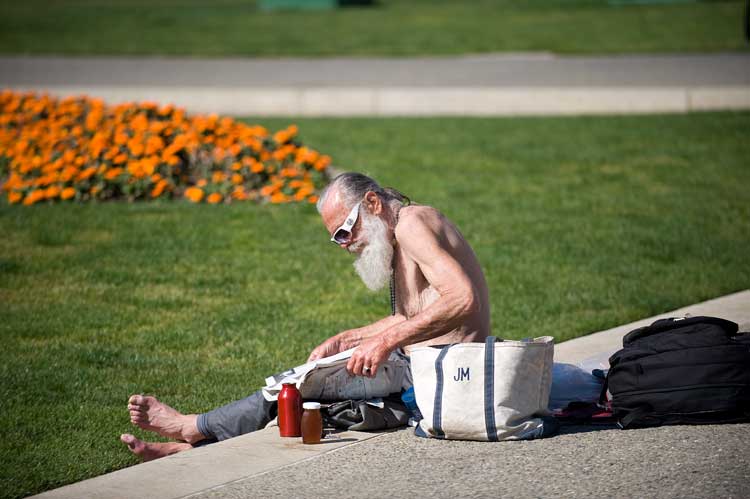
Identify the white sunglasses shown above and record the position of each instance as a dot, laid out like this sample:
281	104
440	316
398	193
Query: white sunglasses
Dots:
343	234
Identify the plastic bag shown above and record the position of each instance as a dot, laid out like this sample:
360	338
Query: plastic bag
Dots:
572	384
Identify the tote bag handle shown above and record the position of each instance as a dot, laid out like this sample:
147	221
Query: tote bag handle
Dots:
489	390
437	410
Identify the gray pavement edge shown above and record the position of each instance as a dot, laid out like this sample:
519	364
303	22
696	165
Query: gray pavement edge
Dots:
486	85
424	101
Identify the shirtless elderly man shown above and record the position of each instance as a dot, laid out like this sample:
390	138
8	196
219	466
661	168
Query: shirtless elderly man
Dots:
440	297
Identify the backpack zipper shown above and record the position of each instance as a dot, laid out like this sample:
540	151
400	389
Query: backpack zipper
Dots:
680	388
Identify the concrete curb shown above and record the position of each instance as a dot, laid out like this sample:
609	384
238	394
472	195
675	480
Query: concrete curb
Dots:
419	101
205	468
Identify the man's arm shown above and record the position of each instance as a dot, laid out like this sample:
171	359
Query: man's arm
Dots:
353	337
427	246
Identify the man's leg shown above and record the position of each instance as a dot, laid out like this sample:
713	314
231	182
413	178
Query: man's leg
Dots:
237	418
148	413
148	451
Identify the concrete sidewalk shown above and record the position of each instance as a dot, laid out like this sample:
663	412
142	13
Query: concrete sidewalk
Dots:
494	84
679	461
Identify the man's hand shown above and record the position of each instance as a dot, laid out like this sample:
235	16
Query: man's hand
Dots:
366	359
331	346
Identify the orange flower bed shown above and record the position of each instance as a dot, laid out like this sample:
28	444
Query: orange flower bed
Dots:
79	149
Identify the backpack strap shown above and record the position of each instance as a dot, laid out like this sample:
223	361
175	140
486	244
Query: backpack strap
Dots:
633	415
661	325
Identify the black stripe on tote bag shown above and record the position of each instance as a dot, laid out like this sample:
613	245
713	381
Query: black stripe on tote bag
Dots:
489	391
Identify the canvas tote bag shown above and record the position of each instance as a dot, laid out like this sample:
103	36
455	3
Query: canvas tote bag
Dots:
497	390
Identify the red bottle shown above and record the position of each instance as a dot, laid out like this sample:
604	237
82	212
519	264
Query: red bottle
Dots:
290	411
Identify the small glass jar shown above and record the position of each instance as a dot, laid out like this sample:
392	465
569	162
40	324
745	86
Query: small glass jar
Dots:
312	423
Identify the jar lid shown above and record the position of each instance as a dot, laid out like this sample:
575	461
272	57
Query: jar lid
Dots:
311	405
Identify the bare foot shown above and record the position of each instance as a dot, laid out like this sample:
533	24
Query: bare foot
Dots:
148	413
148	451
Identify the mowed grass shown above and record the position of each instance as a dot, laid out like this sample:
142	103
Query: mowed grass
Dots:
390	27
580	224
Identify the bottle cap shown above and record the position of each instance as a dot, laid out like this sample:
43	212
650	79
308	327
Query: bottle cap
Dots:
311	405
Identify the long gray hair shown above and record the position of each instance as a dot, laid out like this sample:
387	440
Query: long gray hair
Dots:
353	187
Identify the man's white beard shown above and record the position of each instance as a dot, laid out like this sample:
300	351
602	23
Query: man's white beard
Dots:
374	264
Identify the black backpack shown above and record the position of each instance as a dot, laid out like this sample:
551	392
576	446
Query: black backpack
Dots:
681	371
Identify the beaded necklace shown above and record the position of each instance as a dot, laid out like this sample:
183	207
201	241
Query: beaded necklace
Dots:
393	267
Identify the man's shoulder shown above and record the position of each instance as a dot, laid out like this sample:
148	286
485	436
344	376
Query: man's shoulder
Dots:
418	220
412	215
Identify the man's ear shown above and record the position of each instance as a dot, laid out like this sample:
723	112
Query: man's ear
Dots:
373	203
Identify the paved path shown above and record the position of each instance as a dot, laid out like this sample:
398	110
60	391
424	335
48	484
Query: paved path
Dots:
471	85
684	461
581	462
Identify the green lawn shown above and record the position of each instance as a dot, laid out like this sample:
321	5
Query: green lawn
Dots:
391	27
580	224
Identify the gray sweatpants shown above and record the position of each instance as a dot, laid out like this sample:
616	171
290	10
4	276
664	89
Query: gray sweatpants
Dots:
237	418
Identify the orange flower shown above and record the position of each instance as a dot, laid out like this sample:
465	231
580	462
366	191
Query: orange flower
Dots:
257	167
113	173
135	146
239	193
154	144
135	169
279	197
86	174
149	165
218	177
194	194
33	197
303	193
237	178
68	173
202	182
283	136
13	181
67	193
52	192
69	155
171	160
14	197
111	153
236	166
214	198
289	172
159	188
322	163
